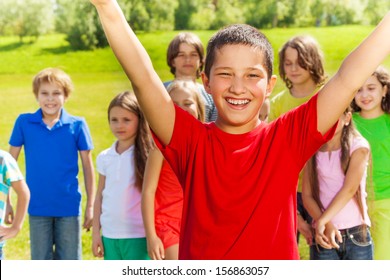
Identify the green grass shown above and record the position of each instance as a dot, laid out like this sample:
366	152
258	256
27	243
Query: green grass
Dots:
98	77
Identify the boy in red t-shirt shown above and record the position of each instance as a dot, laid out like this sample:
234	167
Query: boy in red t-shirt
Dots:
239	175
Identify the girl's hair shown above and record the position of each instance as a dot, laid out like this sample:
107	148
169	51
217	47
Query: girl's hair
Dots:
347	134
310	58
383	76
143	139
191	86
53	75
174	48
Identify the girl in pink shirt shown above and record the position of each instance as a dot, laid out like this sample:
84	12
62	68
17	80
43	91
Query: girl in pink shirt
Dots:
334	193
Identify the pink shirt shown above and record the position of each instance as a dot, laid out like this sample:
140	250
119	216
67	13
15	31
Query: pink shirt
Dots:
331	179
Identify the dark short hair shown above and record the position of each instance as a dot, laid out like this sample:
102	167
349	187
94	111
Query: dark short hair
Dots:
239	34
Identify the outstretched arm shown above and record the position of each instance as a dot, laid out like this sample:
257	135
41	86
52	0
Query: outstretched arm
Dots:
354	71
151	94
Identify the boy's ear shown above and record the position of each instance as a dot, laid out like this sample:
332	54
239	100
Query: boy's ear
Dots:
270	86
206	82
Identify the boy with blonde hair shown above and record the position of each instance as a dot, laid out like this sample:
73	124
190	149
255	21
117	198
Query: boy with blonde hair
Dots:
52	139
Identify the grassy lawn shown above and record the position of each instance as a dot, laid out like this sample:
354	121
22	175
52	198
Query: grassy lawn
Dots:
98	77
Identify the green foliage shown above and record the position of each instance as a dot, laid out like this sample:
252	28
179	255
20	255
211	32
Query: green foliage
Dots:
26	18
227	12
184	12
375	10
86	32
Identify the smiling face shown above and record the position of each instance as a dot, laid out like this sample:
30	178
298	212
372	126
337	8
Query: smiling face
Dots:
238	83
369	98
123	124
51	98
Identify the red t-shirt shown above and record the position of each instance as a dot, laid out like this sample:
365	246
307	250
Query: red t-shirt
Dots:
169	196
240	190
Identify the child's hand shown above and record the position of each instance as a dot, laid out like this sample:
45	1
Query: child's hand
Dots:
7	233
156	248
9	214
320	236
332	234
305	229
97	245
88	217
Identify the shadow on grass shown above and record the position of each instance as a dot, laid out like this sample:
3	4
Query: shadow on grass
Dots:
11	47
57	50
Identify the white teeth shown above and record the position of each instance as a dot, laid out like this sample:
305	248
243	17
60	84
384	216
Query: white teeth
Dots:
237	102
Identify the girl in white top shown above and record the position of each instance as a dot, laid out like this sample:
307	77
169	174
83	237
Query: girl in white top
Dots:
334	193
117	209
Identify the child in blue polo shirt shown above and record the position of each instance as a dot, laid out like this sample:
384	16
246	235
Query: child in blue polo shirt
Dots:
52	140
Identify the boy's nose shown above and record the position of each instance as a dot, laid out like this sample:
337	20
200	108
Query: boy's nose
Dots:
237	86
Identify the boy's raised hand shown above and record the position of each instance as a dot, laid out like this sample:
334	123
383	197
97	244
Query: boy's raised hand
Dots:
147	86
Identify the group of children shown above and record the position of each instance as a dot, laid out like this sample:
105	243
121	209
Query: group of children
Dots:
219	181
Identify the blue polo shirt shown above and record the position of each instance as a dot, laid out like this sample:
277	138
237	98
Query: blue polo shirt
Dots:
51	157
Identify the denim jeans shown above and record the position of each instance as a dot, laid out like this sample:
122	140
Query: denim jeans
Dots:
1	254
353	247
55	238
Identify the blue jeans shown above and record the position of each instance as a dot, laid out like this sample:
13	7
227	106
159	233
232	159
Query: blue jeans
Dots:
1	254
55	238
354	247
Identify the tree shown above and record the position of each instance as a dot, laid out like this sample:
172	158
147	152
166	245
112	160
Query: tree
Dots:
184	12
227	12
375	10
86	31
27	17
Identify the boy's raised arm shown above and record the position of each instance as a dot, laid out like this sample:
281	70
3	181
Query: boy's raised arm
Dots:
356	68
151	94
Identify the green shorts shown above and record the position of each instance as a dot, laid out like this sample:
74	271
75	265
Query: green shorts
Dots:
125	249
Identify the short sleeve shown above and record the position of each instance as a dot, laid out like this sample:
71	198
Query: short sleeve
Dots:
100	164
84	139
10	169
17	137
